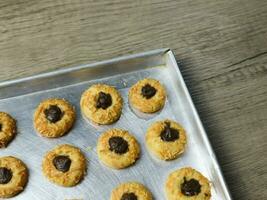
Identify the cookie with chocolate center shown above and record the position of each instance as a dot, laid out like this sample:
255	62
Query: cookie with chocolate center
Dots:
65	165
131	191
187	183
8	129
54	117
102	104
13	176
166	139
147	95
117	148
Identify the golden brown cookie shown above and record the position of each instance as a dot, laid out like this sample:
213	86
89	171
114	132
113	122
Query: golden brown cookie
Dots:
131	191
7	129
117	149
102	104
166	139
187	183
65	165
54	117
13	176
147	96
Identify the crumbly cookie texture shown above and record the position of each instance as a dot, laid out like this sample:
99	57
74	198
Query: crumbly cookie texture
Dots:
13	176
166	139
102	104
8	129
147	95
187	183
117	148
75	171
54	117
131	189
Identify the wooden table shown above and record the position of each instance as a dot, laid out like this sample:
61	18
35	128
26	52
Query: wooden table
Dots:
221	47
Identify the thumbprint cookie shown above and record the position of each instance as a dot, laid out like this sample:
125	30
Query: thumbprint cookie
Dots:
147	95
7	129
131	191
166	139
117	148
65	165
187	183
102	104
54	117
13	176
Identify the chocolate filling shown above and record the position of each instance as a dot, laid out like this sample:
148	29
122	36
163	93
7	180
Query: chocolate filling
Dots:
118	145
129	196
104	100
62	163
148	91
169	134
5	175
191	187
1	127
53	113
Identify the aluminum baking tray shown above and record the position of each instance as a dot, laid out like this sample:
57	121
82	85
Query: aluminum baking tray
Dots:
21	97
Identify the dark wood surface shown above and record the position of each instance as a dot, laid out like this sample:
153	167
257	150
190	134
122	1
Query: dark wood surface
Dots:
221	46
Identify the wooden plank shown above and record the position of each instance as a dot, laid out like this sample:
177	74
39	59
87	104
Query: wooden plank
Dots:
221	46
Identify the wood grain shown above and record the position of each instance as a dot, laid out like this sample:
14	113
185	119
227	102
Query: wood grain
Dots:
221	46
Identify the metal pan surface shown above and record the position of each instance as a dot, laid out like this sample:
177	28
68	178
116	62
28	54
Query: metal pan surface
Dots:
21	97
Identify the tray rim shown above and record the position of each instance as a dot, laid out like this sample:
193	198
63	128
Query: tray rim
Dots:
162	51
203	132
83	66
